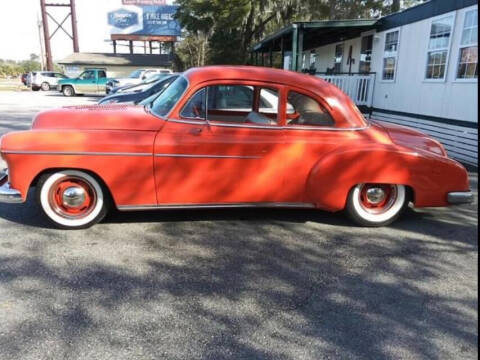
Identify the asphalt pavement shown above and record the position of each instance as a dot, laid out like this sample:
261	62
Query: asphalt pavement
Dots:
234	284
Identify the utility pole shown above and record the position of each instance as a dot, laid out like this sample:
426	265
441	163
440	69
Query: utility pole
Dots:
46	33
42	56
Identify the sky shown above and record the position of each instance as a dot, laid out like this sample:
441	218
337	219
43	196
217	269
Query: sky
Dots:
19	31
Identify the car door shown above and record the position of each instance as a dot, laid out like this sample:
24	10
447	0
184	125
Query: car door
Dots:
209	153
87	82
101	82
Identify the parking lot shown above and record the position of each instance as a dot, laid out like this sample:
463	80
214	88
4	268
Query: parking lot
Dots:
236	284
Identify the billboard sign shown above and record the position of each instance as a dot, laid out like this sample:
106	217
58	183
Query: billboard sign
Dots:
144	2
145	20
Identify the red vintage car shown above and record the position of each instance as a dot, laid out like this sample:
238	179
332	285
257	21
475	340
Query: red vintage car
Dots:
227	136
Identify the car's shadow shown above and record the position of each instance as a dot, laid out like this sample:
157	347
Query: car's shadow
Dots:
30	214
426	221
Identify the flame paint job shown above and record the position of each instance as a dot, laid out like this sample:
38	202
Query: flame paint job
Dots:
147	160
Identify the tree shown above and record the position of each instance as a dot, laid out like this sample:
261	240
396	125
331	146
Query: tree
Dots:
223	31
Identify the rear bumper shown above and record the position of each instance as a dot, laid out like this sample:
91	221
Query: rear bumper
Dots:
460	197
7	194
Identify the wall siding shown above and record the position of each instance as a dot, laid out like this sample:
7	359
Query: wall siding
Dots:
410	92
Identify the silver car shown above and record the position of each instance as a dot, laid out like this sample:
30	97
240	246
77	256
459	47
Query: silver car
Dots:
44	80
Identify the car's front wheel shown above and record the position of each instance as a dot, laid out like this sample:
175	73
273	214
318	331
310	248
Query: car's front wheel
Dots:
376	204
68	91
45	86
72	199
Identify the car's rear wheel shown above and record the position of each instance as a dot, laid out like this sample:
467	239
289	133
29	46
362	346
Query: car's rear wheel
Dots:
376	204
72	199
45	86
68	91
35	88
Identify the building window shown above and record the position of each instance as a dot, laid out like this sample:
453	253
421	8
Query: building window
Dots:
438	47
366	54
390	54
468	59
338	58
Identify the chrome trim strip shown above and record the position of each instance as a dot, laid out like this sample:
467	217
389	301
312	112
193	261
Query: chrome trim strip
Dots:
271	127
293	127
215	206
80	153
208	156
460	197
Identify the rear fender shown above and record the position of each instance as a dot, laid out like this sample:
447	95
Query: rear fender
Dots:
429	176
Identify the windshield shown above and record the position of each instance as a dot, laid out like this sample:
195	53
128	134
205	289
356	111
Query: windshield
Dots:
162	105
136	74
159	87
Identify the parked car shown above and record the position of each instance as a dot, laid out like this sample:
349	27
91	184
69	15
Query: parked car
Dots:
137	93
138	87
189	149
136	77
44	80
23	78
91	81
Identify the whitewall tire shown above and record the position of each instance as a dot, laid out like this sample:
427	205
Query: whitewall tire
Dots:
376	204
72	199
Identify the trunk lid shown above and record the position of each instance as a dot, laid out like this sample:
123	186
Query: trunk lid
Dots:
412	138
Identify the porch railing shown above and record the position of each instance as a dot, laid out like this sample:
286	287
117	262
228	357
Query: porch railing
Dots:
359	87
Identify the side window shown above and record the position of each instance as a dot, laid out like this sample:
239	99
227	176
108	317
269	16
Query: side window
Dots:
87	75
307	111
242	104
102	74
195	107
468	60
390	54
439	47
230	97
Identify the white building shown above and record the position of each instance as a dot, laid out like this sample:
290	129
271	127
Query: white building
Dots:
418	67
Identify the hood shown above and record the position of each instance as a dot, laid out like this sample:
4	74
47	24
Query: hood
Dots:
411	138
98	117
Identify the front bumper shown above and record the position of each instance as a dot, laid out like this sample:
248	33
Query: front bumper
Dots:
460	197
7	194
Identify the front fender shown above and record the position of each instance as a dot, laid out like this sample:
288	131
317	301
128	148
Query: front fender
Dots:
122	159
430	176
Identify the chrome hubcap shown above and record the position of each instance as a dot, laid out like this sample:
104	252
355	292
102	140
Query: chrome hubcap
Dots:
375	195
74	197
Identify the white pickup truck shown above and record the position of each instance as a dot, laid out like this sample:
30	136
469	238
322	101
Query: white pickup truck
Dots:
136	77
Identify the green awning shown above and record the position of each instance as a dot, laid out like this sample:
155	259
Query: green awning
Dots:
315	34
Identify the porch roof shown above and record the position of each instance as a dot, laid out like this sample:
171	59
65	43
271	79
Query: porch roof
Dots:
315	33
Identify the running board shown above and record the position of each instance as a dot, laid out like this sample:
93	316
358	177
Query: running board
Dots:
215	206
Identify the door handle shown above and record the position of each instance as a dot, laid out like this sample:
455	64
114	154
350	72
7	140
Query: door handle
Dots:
196	131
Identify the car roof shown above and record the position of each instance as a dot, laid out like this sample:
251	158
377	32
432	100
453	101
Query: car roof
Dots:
255	73
341	106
